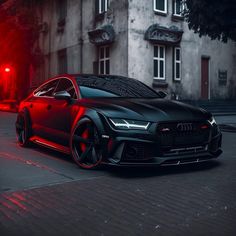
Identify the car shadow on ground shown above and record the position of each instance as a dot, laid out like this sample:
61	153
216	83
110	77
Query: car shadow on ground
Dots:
52	153
143	172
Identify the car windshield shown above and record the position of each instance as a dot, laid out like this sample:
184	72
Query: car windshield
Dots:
113	86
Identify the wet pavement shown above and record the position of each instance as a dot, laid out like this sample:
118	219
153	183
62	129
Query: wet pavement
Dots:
45	193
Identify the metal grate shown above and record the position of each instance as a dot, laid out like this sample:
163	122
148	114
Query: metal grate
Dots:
170	136
185	151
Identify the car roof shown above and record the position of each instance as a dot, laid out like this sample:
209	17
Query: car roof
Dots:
98	76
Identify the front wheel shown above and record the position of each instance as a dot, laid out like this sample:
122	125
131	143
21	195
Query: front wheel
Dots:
86	145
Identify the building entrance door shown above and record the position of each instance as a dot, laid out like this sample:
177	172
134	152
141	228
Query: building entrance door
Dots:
205	78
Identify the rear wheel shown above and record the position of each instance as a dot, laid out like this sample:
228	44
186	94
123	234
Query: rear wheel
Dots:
23	129
86	145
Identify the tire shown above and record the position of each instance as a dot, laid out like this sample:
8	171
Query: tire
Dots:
86	147
23	130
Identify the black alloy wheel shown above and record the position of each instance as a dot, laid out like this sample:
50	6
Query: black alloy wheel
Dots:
86	145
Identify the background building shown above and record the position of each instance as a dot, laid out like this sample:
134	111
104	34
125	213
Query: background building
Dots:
148	40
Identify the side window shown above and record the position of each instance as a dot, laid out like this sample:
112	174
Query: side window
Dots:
66	85
177	63
104	60
159	62
47	89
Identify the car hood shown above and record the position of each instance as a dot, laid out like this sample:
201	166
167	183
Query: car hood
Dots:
152	110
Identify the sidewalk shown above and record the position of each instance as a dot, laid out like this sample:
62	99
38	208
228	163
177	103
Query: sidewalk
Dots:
227	123
216	107
9	105
224	112
197	201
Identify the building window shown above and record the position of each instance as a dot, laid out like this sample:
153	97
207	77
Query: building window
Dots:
62	61
177	63
160	6
104	60
101	6
61	11
159	62
178	7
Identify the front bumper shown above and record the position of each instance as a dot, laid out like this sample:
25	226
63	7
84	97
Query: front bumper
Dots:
171	161
144	149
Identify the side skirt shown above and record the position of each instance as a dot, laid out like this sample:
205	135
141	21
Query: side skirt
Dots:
49	144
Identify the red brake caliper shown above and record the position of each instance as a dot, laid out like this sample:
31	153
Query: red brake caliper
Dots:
85	136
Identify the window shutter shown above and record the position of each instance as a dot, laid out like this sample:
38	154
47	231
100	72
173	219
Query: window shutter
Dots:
95	67
96	7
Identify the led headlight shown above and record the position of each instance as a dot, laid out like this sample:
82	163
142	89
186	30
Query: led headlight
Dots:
129	124
212	120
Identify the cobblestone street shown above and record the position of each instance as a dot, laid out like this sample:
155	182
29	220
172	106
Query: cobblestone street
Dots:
45	193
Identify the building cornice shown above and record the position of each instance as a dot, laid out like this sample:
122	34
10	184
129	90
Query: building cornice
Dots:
163	35
102	36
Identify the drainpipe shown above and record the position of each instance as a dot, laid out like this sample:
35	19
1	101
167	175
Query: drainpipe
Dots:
49	41
81	41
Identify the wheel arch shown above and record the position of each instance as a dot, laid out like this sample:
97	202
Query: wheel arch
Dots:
98	120
93	116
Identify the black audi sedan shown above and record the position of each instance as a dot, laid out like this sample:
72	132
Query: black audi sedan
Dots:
117	121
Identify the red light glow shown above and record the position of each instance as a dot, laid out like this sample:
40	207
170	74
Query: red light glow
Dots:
8	83
84	135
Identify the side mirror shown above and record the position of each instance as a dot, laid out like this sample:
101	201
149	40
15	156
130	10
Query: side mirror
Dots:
62	95
162	94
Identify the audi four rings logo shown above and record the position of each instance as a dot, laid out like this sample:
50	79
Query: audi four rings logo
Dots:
185	126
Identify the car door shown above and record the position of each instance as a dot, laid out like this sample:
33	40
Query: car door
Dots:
38	107
62	113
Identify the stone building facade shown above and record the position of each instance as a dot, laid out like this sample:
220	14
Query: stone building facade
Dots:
147	40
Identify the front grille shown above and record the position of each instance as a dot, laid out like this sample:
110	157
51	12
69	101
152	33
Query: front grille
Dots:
179	135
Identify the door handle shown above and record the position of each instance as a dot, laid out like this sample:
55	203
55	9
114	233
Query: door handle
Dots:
31	105
49	107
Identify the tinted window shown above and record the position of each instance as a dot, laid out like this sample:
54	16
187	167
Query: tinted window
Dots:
47	89
87	92
66	85
95	86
